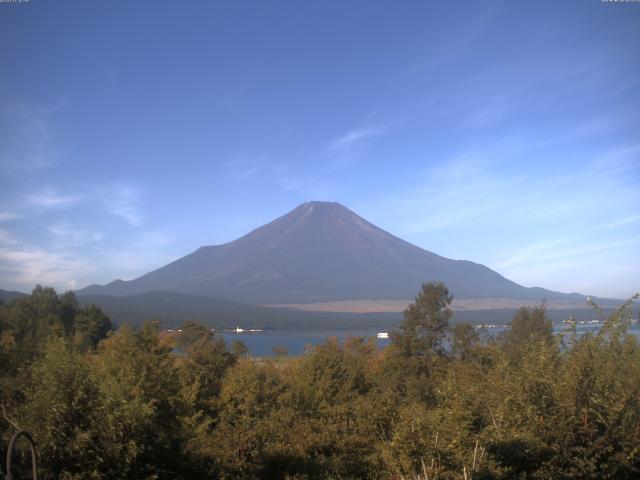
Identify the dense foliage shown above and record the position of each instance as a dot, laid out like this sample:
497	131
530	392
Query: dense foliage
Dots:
441	402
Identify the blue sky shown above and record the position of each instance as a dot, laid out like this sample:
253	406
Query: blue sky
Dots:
506	133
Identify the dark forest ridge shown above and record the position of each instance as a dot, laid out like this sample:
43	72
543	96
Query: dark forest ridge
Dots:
321	252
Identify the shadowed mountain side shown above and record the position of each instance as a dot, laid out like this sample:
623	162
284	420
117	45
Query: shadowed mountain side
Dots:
6	296
320	252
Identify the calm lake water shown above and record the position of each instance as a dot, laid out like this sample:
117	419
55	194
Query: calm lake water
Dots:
262	344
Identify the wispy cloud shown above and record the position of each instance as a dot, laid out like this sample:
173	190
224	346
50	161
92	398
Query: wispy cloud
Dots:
6	238
50	198
243	169
465	190
549	262
347	148
595	126
464	167
312	188
7	216
66	235
481	187
153	239
24	266
621	222
71	256
553	250
359	135
489	113
617	161
27	144
123	201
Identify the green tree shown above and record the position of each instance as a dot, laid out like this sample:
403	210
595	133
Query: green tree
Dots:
32	320
140	431
239	348
330	392
90	326
425	322
44	314
249	399
528	325
61	407
465	341
416	352
204	362
68	309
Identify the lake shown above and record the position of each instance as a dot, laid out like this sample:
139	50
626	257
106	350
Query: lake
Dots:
262	344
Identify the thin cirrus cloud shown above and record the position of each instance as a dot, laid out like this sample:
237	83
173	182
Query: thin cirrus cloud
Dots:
556	263
119	199
240	169
6	238
7	216
26	265
466	190
479	187
343	150
617	161
66	235
621	222
337	151
64	258
359	135
551	251
27	141
153	239
50	198
63	254
123	201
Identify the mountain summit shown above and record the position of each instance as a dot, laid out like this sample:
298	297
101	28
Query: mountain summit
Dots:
319	252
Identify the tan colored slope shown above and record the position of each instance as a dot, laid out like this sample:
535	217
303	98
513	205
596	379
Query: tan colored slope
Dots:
379	306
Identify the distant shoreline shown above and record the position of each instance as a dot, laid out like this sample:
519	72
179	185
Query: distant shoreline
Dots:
397	306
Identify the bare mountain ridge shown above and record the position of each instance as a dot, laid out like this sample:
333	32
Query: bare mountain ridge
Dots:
320	252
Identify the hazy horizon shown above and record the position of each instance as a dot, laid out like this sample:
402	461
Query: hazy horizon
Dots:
501	133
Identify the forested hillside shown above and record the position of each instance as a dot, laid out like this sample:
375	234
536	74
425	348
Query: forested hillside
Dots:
439	403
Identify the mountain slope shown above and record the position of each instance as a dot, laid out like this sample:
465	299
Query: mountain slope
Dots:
6	296
319	252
